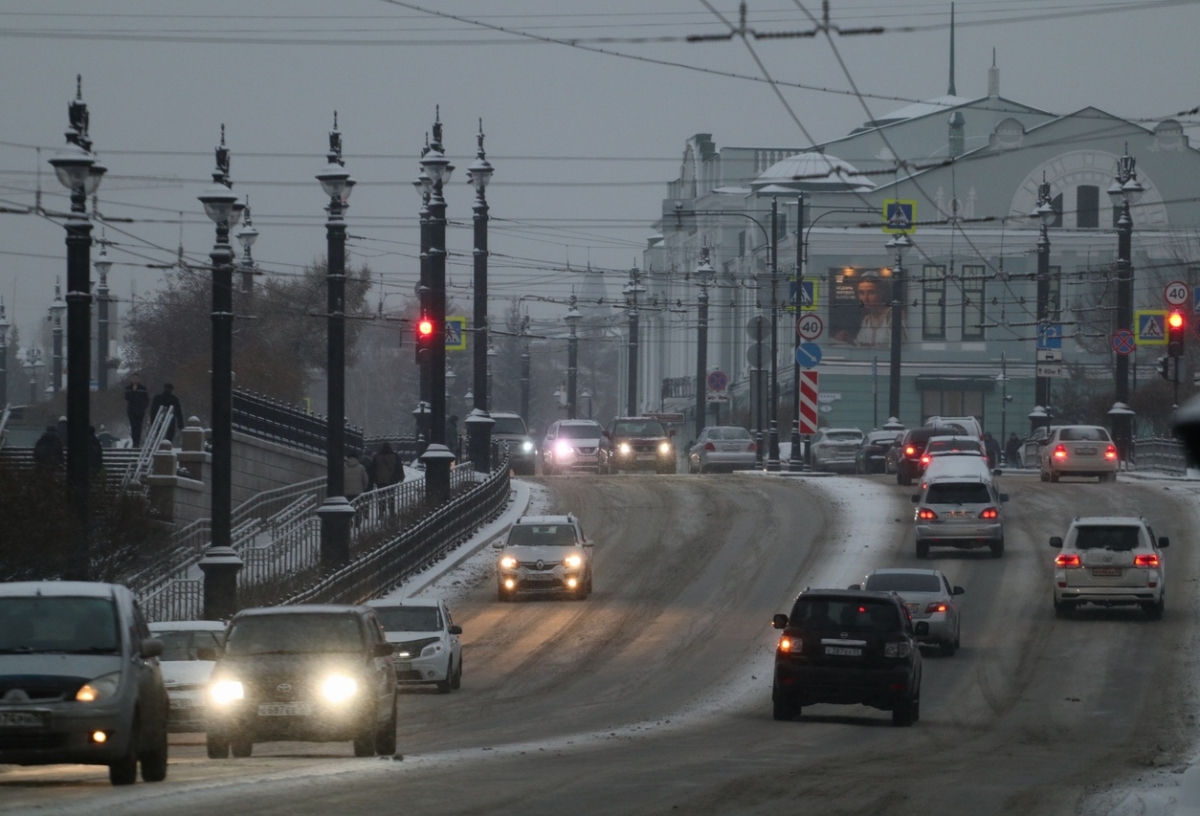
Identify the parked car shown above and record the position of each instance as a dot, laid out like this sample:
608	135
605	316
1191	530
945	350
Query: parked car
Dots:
1078	450
1110	561
510	428
80	680
722	447
315	673
928	596
426	639
638	443
544	555
572	445
906	456
962	511
190	650
849	647
871	456
835	448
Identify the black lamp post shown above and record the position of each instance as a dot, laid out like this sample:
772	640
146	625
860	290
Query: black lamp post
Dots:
335	512
79	171
572	318
899	243
437	457
221	563
795	459
525	368
773	444
424	187
632	290
1124	191
479	423
4	327
246	236
1045	213
704	277
102	264
57	307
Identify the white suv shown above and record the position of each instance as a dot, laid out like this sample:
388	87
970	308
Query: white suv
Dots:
1109	560
544	555
427	643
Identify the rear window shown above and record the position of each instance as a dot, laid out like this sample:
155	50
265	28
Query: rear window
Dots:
843	436
639	428
1121	539
922	435
294	634
536	535
848	616
729	433
508	425
186	645
579	431
958	493
58	625
409	618
1083	435
944	445
903	582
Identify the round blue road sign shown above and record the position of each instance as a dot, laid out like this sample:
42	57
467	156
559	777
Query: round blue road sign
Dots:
808	354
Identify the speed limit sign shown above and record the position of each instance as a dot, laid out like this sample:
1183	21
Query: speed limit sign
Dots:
809	327
1176	293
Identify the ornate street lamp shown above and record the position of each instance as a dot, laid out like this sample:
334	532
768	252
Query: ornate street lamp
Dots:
424	187
479	423
572	319
4	327
55	317
1045	214
631	292
102	265
704	278
246	236
899	244
1124	191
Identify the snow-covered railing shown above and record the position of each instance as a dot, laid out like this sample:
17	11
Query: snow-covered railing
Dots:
1158	453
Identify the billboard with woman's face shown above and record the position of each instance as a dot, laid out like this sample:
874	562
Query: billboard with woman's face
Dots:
860	306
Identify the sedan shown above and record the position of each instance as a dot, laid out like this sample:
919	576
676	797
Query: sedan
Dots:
1078	450
929	597
835	448
722	447
427	643
871	456
190	651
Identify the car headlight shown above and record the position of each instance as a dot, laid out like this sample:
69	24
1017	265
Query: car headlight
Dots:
664	447
624	448
562	449
432	649
338	688
527	446
101	688
508	562
898	649
224	692
573	562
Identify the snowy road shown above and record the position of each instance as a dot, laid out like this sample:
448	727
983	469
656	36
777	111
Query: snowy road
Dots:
654	695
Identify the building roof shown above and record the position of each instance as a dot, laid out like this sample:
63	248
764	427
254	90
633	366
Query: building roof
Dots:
812	171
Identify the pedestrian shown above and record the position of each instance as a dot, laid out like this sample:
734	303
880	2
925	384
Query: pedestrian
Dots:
48	451
387	467
95	452
1012	451
137	400
992	448
368	462
355	478
452	433
168	401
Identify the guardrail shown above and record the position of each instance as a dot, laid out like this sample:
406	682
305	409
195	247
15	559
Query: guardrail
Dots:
277	421
1161	454
139	468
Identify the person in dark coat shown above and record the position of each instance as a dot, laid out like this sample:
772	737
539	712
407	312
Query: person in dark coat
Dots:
137	400
992	448
387	467
1012	451
48	451
168	401
95	452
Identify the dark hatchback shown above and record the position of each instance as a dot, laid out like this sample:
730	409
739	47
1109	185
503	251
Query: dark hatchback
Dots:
848	647
310	673
906	454
871	456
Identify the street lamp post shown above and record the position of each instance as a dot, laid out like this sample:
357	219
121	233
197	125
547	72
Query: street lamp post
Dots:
704	277
102	264
900	243
1045	214
632	290
80	172
246	236
1124	191
1003	378
336	511
424	187
525	368
4	327
572	318
479	423
587	395
773	444
56	312
795	459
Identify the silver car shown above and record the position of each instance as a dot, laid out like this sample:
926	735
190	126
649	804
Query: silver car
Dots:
190	650
722	447
544	555
1110	561
959	511
929	597
836	449
572	445
510	429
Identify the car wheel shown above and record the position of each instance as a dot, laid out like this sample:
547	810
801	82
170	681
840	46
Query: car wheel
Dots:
922	549
385	737
241	748
456	681
154	760
1054	477
1155	610
503	595
1063	609
218	747
443	686
998	549
903	479
905	713
1045	476
948	647
364	743
783	710
124	770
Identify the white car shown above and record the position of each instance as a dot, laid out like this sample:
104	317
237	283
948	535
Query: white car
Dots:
572	445
546	555
190	650
1110	561
1078	450
929	597
426	638
836	448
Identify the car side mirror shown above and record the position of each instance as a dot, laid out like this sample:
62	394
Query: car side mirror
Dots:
588	543
957	591
151	647
997	472
1003	497
916	497
1163	541
854	586
455	629
779	621
498	544
1056	542
922	629
206	653
384	649
1043	441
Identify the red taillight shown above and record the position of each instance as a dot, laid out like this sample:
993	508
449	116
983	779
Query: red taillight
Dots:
1145	560
925	459
936	607
990	513
1111	453
1068	561
753	447
789	646
925	514
709	446
910	451
1060	452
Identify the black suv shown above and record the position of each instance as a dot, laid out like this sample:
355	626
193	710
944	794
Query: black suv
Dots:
315	673
638	443
909	452
848	647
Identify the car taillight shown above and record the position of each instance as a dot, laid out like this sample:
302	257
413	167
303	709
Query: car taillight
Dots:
925	514
1145	560
709	446
925	459
1068	561
936	607
910	451
990	513
1060	452
789	645
753	447
1111	453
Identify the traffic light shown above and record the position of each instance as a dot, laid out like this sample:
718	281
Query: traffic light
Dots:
1164	367
1175	331
424	339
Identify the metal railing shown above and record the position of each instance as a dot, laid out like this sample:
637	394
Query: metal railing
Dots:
1160	454
4	415
407	448
136	472
277	421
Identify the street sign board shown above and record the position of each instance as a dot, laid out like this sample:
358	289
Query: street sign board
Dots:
1050	370
899	215
1175	293
804	294
717	381
1049	355
1150	327
456	333
1123	342
758	326
809	326
714	396
1050	336
808	355
808	402
758	355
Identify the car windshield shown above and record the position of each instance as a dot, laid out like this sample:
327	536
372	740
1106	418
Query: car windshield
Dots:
847	615
953	446
579	431
843	436
1083	435
731	433
883	439
508	425
186	645
541	535
410	618
59	624
958	493
1120	538
903	582
638	428
294	634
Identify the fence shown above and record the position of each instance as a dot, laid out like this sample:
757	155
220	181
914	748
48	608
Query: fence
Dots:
277	421
139	469
1163	455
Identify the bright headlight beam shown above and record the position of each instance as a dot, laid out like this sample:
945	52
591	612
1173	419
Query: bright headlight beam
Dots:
224	692
339	688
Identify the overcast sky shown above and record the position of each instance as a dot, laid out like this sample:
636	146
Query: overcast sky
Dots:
583	142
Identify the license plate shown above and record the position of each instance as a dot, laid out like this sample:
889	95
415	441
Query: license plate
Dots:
540	577
842	651
284	709
645	457
403	667
1085	451
23	719
1106	572
731	447
958	514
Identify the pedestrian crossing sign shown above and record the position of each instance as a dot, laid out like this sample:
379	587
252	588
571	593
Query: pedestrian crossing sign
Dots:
1151	327
899	216
804	295
456	333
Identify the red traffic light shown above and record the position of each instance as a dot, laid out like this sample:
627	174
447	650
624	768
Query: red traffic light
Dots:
1175	320
425	327
1175	332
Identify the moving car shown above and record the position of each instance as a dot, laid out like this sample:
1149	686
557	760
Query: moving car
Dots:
1078	450
871	456
848	647
80	681
572	445
316	673
906	455
426	638
954	446
190	651
928	596
964	425
835	448
1110	561
638	443
544	555
959	510
722	447
510	428
941	467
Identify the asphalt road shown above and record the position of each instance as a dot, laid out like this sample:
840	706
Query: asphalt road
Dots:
653	696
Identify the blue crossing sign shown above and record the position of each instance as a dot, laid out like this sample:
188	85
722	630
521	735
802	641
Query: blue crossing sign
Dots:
1150	327
808	355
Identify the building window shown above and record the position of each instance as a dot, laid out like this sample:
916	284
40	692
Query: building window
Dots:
933	304
974	308
951	403
1087	206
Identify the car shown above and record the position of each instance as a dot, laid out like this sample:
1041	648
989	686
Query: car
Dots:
80	680
848	647
929	597
1078	450
907	454
959	510
190	651
722	447
509	428
941	467
1110	561
544	555
871	456
964	425
638	443
954	446
309	672
834	449
572	445
428	650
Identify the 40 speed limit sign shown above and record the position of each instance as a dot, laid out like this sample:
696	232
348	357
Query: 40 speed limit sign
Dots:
809	327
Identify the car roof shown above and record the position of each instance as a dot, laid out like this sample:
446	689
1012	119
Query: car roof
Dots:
842	430
578	422
844	593
302	609
958	438
564	519
1089	521
504	414
904	571
390	603
60	589
188	626
940	478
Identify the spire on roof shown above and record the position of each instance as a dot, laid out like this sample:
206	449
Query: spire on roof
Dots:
994	78
951	91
